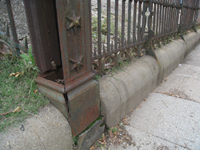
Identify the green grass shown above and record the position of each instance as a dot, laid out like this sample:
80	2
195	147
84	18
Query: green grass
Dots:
18	91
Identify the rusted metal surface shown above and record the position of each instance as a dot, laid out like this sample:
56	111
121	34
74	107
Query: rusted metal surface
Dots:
75	39
68	82
57	98
81	106
50	84
42	23
78	82
74	22
90	136
84	106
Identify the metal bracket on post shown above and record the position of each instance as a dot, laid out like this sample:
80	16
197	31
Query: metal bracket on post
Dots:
196	16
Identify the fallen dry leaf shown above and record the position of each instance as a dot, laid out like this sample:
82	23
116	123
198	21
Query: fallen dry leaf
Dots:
12	74
18	109
126	123
17	74
93	147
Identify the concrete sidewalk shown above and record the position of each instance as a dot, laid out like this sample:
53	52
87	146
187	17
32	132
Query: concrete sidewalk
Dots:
169	119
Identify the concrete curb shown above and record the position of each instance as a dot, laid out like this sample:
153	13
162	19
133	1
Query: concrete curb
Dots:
48	131
123	91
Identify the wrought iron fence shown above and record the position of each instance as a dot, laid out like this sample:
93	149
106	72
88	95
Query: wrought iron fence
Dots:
144	24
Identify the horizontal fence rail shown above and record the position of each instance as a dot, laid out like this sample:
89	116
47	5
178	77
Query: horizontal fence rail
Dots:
131	28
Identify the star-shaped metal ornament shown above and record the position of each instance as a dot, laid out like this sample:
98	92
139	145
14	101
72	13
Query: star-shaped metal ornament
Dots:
74	22
76	63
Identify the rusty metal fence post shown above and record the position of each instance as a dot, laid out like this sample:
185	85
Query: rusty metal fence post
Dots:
60	32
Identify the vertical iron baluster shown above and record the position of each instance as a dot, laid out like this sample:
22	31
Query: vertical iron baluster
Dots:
129	20
160	24
143	20
154	17
185	13
157	19
139	21
181	12
123	21
193	12
175	18
99	34
12	23
134	21
177	15
168	23
163	18
172	18
108	25
190	17
196	11
116	23
150	16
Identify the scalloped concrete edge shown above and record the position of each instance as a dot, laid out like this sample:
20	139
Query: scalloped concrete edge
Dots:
122	92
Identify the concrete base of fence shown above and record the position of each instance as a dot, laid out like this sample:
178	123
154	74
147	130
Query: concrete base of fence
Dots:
124	90
48	131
